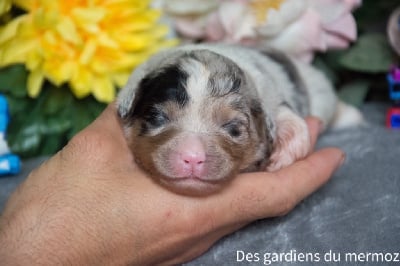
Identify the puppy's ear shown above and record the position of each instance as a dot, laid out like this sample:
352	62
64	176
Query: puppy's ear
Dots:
261	133
292	139
126	96
258	116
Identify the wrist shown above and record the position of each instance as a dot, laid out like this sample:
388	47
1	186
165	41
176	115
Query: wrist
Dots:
35	237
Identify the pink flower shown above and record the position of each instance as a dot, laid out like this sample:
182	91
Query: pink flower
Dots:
190	17
297	27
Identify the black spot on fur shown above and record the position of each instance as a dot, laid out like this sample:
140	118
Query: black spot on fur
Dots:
301	96
289	67
167	84
256	108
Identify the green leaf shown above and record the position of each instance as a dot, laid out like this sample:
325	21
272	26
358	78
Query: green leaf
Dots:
54	125
354	93
51	144
95	107
19	106
80	117
371	54
24	136
13	80
44	124
56	99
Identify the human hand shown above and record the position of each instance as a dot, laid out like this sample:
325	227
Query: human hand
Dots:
90	204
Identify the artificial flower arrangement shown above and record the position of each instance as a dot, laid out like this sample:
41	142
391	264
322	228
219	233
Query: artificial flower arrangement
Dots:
62	61
297	27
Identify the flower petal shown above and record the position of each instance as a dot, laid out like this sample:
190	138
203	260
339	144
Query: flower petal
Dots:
5	6
25	4
344	26
238	21
103	89
191	27
88	52
278	20
300	39
59	71
184	7
67	30
81	82
16	51
215	30
11	29
33	60
88	18
82	43
35	82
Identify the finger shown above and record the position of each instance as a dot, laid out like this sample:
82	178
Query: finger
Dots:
258	195
314	125
308	175
204	243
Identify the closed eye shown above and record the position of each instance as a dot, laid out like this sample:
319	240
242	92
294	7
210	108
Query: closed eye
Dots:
235	128
155	117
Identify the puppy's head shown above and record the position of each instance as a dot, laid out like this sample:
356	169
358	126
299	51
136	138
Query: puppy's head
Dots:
192	122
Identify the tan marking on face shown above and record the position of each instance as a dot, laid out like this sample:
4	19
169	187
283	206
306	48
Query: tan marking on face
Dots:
205	115
225	155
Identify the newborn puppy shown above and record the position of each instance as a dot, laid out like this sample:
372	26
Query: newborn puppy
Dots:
196	115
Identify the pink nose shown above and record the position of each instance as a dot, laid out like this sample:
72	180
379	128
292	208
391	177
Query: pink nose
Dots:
193	159
190	156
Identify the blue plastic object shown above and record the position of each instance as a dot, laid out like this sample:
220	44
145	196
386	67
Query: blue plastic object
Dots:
394	87
9	163
4	115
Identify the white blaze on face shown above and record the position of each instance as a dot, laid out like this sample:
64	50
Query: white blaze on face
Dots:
196	87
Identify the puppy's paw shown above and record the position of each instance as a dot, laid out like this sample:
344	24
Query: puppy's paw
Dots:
347	116
292	140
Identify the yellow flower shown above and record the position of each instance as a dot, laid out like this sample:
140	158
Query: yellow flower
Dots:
92	45
261	8
5	5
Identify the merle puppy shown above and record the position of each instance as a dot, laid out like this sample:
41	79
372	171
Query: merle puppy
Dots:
196	115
